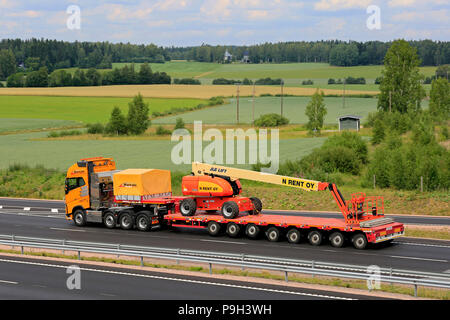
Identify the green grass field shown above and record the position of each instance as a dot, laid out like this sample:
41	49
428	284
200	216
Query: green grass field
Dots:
293	109
60	154
16	124
292	73
80	109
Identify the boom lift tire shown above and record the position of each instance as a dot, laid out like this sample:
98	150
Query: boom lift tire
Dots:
337	239
315	238
126	221
257	205
359	241
143	221
273	234
293	236
230	210
213	228
188	207
252	231
109	220
233	229
79	217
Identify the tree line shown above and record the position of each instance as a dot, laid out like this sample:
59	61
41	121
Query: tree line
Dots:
91	77
335	52
32	54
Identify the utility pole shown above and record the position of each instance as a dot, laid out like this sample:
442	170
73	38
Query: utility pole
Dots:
253	104
343	97
390	101
237	104
282	84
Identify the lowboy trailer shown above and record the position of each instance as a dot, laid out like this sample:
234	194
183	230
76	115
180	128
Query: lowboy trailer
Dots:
142	199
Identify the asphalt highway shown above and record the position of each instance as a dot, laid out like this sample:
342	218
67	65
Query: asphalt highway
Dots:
403	253
47	205
24	278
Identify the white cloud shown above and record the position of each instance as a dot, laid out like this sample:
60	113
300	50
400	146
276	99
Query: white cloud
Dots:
401	3
334	5
26	14
437	16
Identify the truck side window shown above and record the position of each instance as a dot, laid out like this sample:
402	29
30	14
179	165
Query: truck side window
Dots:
73	183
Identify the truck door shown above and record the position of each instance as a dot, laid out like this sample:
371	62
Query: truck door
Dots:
77	193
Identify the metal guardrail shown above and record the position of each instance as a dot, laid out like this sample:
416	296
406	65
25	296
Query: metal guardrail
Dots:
407	277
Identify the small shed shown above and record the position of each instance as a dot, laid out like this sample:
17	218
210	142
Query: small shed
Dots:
349	122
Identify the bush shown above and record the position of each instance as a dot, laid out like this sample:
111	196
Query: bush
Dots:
350	140
307	82
190	81
223	81
64	133
331	81
271	120
179	124
95	128
351	80
160	131
268	81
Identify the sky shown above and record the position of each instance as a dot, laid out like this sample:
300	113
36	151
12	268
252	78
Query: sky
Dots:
225	22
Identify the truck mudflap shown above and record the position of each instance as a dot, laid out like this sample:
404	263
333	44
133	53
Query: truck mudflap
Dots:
385	233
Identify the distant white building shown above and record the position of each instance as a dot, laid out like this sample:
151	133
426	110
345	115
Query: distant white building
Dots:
227	57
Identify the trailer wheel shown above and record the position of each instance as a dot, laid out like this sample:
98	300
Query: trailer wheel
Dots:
337	239
79	218
143	221
213	228
230	210
257	206
109	220
233	229
252	231
293	236
188	207
126	221
315	238
359	241
273	234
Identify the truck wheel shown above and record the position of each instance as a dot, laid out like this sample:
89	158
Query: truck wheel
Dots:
359	241
273	234
188	207
252	231
109	220
337	239
213	228
126	221
230	210
257	206
315	238
79	218
233	229
293	236
143	221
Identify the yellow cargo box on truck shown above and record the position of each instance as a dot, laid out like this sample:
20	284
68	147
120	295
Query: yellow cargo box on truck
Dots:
97	192
136	185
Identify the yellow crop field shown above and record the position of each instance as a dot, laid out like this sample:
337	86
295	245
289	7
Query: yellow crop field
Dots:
170	91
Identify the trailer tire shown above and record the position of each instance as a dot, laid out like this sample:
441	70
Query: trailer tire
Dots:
273	234
359	241
233	229
213	228
337	239
257	206
315	238
252	231
293	236
109	220
79	218
126	221
143	221
230	210
188	207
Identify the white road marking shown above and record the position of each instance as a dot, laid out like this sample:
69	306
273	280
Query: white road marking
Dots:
8	282
416	258
54	210
27	209
222	241
62	229
181	280
422	244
